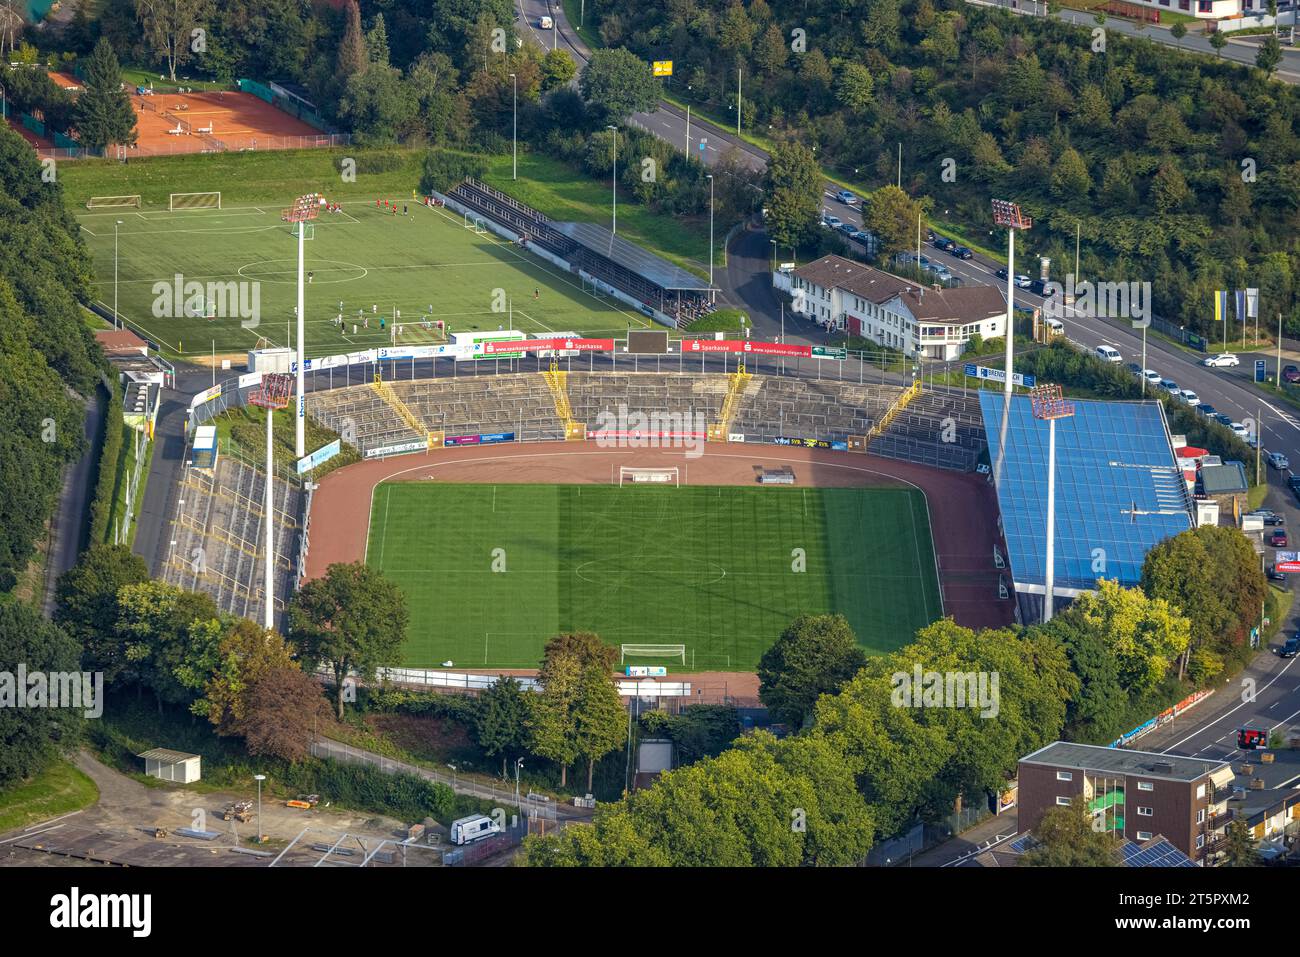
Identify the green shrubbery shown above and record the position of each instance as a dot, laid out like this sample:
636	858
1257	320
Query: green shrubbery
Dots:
110	463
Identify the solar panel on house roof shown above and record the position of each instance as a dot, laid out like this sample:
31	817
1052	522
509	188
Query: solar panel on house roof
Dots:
1119	490
1155	853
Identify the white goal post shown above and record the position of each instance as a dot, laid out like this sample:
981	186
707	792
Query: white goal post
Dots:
645	476
474	222
652	651
113	202
194	201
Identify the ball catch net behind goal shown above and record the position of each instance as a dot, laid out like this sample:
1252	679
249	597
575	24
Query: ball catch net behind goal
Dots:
657	652
194	201
113	202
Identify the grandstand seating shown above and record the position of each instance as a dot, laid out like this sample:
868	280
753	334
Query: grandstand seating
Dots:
937	428
526	221
691	398
516	402
219	537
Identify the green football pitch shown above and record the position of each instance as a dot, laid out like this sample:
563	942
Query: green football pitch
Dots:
425	263
490	572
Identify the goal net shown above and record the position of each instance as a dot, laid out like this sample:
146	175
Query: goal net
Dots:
641	476
113	202
652	651
194	201
474	222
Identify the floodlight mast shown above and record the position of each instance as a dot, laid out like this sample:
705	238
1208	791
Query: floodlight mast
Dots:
1008	214
304	209
273	394
1047	403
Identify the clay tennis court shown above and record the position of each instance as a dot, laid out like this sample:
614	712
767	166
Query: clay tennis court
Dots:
963	508
215	121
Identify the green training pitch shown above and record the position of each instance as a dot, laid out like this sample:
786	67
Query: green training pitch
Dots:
365	257
711	568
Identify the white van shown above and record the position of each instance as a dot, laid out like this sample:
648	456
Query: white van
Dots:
467	830
546	23
1109	354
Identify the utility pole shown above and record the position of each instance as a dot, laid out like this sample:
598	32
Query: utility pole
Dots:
739	73
514	135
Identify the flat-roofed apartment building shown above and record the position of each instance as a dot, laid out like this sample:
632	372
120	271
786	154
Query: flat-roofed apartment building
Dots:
1135	794
899	313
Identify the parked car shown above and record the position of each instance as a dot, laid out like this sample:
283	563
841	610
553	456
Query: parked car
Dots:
961	252
1109	354
1206	410
1023	282
1278	461
941	272
944	243
861	235
1001	274
1290	374
848	229
1152	376
924	262
831	222
1190	397
1277	538
1136	369
1291	647
1223	359
1242	432
1169	385
1038	287
1276	576
1222	419
846	197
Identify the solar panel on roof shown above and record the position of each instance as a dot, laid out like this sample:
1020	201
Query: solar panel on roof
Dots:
1157	853
1119	490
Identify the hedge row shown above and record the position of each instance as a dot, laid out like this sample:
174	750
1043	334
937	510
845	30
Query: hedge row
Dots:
101	507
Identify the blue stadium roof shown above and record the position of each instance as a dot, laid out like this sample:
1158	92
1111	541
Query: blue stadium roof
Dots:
1118	488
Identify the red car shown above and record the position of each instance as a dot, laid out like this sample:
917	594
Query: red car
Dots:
1290	374
1252	738
1278	538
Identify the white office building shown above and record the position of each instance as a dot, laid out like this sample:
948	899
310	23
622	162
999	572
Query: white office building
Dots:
851	297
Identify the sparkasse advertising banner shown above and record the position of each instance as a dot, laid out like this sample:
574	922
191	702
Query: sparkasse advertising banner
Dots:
537	345
745	345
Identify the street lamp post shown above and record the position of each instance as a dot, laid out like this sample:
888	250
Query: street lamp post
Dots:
710	175
514	134
519	763
116	323
614	184
1048	404
1008	214
259	778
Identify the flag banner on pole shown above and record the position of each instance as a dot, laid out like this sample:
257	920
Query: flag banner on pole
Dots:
1240	302
1220	304
1252	303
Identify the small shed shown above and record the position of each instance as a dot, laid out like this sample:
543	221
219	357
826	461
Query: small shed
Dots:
168	765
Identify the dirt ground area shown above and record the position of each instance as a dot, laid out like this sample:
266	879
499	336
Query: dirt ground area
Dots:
214	121
117	830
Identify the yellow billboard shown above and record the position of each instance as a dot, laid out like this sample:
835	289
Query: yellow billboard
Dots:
663	67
